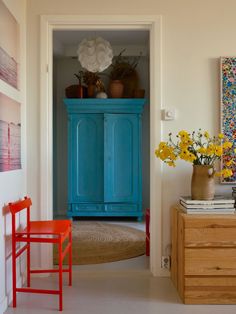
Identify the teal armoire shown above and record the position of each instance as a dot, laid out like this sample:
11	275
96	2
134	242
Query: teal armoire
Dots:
104	157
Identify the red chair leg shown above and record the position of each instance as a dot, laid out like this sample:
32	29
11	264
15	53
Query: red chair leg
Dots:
60	274
70	259
14	272
28	265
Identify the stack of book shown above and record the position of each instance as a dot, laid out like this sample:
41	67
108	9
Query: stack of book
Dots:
234	192
219	205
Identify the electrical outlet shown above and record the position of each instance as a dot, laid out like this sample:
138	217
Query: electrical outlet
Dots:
165	262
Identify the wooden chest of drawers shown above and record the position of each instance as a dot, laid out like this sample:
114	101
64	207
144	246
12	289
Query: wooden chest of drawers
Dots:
203	261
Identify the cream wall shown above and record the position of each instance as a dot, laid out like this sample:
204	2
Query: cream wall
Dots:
195	35
13	183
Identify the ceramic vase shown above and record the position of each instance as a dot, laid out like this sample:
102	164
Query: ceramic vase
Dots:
116	89
202	185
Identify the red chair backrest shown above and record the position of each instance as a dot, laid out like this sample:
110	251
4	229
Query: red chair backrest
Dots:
20	205
17	207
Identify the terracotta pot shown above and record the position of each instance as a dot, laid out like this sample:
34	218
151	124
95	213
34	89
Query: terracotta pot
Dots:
202	185
139	93
80	91
91	91
116	89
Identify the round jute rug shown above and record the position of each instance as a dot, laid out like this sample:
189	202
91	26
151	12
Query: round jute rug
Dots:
98	242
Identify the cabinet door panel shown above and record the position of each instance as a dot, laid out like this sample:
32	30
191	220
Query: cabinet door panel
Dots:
86	172
121	161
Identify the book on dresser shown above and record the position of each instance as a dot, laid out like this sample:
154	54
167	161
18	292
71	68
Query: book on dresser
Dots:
219	205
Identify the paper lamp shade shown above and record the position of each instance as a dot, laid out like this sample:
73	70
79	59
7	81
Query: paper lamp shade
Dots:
95	55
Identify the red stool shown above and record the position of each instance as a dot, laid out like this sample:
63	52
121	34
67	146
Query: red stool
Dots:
147	219
55	232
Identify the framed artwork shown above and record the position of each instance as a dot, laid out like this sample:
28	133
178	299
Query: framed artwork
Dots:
9	47
10	134
10	108
228	109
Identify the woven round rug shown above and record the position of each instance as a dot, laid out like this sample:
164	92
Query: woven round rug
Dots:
98	242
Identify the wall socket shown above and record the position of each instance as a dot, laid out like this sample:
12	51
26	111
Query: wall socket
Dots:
165	261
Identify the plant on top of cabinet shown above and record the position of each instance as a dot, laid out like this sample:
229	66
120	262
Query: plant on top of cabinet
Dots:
123	72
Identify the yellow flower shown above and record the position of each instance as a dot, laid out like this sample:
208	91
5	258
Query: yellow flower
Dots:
210	150
207	135
157	153
171	164
221	136
187	155
183	145
202	150
218	150
183	135
197	148
162	145
172	156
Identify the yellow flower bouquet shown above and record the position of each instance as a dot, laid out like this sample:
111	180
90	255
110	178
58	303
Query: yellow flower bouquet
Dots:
198	148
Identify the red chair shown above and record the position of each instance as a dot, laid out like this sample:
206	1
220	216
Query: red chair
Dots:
147	219
54	231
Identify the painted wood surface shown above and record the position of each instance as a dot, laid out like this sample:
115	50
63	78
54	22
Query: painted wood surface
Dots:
104	157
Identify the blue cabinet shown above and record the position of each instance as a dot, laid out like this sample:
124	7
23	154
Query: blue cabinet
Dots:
104	157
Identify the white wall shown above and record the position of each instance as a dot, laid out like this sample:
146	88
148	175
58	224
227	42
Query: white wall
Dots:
13	183
195	35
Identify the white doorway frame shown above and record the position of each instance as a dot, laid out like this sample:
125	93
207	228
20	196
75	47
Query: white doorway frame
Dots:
49	23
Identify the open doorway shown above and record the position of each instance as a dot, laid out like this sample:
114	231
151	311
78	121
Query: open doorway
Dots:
49	23
134	47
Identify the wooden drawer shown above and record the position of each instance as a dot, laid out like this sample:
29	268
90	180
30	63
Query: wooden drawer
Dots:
210	237
210	262
204	257
214	290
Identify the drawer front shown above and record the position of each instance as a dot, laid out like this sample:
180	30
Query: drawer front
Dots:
210	262
210	290
122	208
210	237
209	221
87	208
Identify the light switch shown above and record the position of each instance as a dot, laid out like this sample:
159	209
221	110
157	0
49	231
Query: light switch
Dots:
168	114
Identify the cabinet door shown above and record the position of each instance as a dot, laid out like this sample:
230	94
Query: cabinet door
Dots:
121	160
86	147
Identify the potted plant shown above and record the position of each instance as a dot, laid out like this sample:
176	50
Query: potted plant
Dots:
202	150
93	82
76	90
123	71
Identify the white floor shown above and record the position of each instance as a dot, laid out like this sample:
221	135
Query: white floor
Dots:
124	287
112	292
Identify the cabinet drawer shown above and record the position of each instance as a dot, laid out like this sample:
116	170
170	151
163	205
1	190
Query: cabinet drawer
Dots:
210	290
210	262
125	208
210	237
88	208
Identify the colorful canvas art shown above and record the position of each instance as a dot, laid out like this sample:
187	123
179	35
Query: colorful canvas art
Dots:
228	108
10	134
